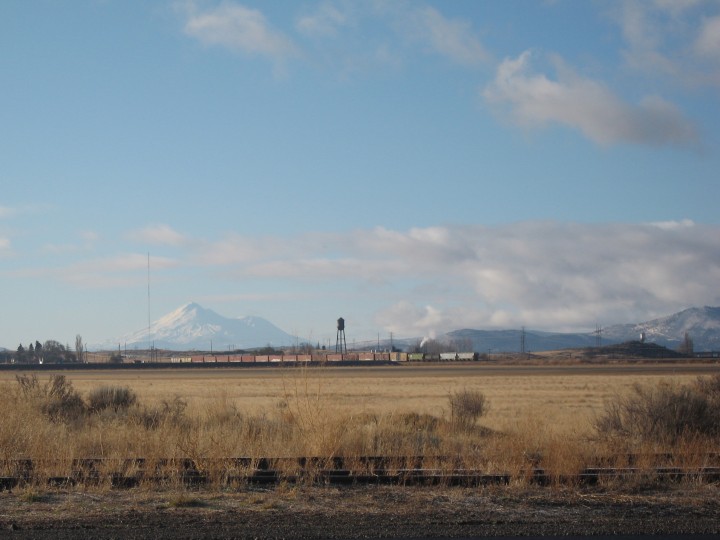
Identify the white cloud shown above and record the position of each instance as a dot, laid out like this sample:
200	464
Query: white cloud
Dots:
325	22
387	33
123	270
256	297
127	262
4	246
451	38
708	40
586	105
238	28
89	238
672	225
158	234
7	212
241	250
409	319
673	38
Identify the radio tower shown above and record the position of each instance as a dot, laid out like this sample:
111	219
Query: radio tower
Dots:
340	343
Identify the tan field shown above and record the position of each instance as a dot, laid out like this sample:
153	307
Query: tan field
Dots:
562	398
534	413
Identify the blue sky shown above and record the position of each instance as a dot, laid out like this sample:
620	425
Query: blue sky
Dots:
414	167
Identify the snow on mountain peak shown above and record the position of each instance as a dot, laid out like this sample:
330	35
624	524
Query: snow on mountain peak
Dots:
192	326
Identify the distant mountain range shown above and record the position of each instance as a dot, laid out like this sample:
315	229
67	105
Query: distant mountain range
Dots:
192	327
701	324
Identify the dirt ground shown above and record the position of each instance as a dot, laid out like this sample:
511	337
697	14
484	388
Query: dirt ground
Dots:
361	512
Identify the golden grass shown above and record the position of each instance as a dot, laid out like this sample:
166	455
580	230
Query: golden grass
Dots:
537	416
565	398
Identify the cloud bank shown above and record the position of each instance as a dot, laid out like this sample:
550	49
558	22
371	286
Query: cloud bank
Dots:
544	275
553	276
585	105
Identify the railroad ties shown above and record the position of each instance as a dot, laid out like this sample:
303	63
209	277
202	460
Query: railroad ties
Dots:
409	471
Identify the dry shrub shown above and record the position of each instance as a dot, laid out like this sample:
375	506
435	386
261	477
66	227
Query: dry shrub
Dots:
407	434
317	429
113	398
710	388
466	407
168	412
57	398
665	413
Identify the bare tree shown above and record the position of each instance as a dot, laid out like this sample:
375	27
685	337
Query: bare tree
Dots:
79	349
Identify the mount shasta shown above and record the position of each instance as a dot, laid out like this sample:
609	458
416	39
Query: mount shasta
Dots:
192	327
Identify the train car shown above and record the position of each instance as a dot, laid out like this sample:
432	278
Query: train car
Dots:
334	357
416	357
304	357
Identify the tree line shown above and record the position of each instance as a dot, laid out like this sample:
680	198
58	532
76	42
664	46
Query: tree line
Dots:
49	352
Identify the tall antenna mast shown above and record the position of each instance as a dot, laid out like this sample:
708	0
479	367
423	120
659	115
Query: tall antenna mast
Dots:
148	303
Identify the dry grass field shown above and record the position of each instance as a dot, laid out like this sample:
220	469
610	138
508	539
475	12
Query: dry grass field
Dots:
562	398
539	414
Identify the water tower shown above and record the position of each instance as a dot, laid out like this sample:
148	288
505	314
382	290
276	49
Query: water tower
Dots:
340	343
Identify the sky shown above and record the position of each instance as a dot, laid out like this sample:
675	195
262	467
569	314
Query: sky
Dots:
414	166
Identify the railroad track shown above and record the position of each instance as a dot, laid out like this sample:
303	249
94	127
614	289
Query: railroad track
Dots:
409	471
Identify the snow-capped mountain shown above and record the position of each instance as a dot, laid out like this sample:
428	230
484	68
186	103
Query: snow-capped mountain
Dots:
701	324
193	327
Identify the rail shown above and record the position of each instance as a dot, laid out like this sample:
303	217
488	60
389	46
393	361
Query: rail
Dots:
402	470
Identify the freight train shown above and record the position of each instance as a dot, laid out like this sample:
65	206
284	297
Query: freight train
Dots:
326	357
